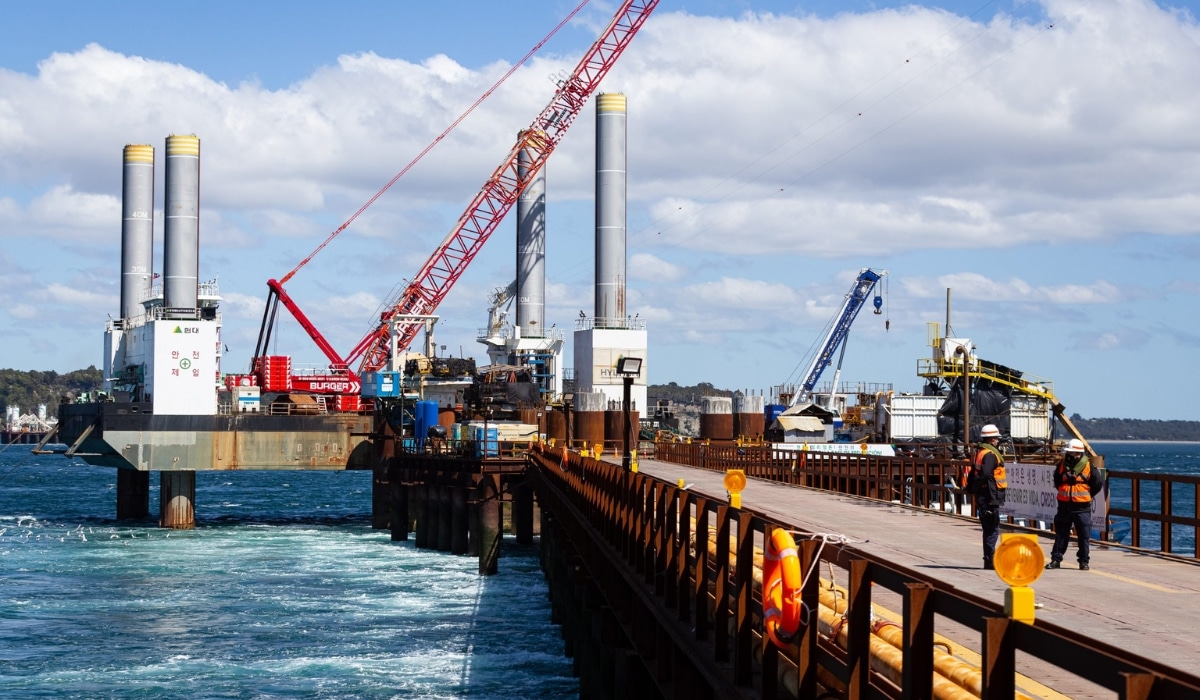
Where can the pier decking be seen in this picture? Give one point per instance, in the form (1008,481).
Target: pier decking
(1146,604)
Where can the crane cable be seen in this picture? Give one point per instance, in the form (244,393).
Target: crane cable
(435,142)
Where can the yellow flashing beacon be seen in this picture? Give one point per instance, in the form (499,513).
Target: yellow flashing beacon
(735,481)
(1019,560)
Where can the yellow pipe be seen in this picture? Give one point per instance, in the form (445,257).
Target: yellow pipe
(954,678)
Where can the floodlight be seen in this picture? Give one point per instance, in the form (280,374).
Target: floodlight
(629,366)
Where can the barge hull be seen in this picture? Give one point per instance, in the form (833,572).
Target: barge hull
(131,436)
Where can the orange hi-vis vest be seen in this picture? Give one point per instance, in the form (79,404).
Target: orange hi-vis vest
(999,474)
(1074,488)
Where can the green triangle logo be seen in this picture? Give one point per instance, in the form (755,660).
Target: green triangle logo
(178,329)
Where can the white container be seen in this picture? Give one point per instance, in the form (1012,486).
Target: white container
(1029,418)
(911,417)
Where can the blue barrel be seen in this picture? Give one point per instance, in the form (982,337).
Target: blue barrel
(425,416)
(487,445)
(456,432)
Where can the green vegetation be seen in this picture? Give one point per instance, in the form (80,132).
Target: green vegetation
(28,389)
(1135,429)
(685,395)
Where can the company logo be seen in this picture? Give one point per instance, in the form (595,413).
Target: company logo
(180,329)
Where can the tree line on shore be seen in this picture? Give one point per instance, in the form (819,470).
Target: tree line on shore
(29,389)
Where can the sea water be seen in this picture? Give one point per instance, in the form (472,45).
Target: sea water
(1176,458)
(283,590)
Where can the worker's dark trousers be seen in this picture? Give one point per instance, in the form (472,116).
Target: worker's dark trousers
(989,519)
(1081,521)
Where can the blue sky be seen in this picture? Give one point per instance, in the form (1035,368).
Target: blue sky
(1039,158)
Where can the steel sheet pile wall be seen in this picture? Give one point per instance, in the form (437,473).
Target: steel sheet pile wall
(556,426)
(716,418)
(748,415)
(589,416)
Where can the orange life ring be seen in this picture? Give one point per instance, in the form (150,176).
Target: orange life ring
(781,588)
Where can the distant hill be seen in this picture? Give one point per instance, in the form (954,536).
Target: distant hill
(28,389)
(1137,429)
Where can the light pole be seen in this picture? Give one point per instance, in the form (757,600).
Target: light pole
(628,368)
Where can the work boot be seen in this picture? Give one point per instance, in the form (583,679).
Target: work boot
(1083,566)
(988,565)
(1054,565)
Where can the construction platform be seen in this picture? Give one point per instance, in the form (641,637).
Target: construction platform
(1147,604)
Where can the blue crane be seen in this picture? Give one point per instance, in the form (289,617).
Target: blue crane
(839,328)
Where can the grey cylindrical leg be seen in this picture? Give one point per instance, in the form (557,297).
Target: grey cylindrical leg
(445,518)
(177,499)
(133,494)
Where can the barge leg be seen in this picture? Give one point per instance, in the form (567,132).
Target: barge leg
(177,499)
(133,494)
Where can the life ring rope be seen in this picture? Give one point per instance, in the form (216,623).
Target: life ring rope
(784,614)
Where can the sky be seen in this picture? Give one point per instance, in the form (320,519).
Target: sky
(1037,159)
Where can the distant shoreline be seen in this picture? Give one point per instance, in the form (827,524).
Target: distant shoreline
(1147,442)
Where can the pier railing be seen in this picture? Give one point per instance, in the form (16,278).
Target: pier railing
(659,588)
(919,481)
(1156,512)
(1160,510)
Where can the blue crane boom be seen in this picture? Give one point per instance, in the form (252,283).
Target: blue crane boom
(839,328)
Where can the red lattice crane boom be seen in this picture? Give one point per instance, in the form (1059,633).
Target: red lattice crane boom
(500,192)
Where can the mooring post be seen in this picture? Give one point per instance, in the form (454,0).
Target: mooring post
(133,494)
(445,517)
(381,510)
(458,522)
(522,510)
(399,505)
(423,512)
(489,525)
(177,498)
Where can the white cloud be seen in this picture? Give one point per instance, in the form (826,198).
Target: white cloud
(643,266)
(974,286)
(79,298)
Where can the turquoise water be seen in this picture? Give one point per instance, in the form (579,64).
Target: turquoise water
(1155,458)
(282,591)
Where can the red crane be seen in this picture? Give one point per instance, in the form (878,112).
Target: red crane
(498,194)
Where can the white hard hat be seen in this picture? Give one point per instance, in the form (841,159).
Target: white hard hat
(990,431)
(1075,445)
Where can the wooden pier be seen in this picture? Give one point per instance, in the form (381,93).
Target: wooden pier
(648,611)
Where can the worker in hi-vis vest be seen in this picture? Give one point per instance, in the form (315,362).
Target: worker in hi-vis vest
(1077,482)
(987,481)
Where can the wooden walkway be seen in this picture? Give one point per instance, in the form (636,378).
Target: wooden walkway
(1147,604)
